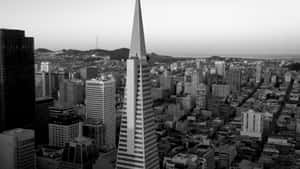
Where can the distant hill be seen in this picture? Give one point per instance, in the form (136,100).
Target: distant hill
(43,50)
(216,58)
(161,58)
(117,54)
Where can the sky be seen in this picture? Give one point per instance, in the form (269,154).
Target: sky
(172,27)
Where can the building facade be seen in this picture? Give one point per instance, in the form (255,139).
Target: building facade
(201,96)
(252,124)
(17,93)
(80,153)
(166,81)
(234,79)
(220,90)
(258,76)
(17,149)
(96,131)
(220,68)
(137,142)
(100,106)
(63,129)
(42,105)
(71,92)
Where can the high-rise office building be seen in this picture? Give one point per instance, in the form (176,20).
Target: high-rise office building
(188,81)
(42,105)
(48,157)
(46,67)
(197,78)
(71,92)
(43,84)
(63,129)
(100,105)
(220,68)
(198,64)
(165,81)
(96,131)
(267,76)
(212,70)
(220,90)
(258,76)
(17,149)
(80,153)
(288,76)
(47,82)
(55,111)
(186,102)
(137,142)
(179,88)
(17,98)
(44,80)
(252,124)
(87,73)
(234,79)
(201,96)
(188,88)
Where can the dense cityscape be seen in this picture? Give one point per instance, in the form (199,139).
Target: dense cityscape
(129,109)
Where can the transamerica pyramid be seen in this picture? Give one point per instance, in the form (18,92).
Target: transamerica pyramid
(137,47)
(137,147)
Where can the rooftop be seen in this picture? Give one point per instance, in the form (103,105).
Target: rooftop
(20,133)
(65,119)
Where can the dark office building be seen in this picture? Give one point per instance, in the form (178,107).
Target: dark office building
(80,153)
(234,79)
(17,97)
(42,105)
(56,111)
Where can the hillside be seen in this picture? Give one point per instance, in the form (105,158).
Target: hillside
(117,54)
(43,50)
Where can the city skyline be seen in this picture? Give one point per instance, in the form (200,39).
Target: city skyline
(132,109)
(224,28)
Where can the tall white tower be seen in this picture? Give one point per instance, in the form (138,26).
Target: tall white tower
(137,144)
(258,72)
(100,106)
(220,67)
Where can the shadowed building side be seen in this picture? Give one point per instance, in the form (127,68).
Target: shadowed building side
(17,92)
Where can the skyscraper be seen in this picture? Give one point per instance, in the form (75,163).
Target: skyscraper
(42,105)
(220,90)
(96,131)
(258,76)
(220,67)
(17,149)
(201,95)
(234,79)
(80,153)
(71,92)
(63,129)
(17,98)
(100,106)
(165,81)
(137,143)
(197,78)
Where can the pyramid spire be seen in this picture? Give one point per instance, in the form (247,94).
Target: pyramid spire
(137,48)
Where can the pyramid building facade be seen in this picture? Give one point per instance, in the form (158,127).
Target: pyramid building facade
(137,147)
